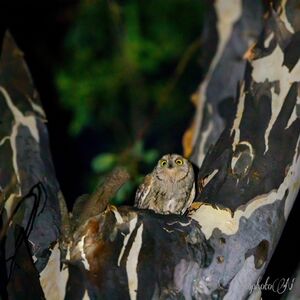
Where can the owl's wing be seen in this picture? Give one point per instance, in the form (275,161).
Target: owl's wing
(142,192)
(190,199)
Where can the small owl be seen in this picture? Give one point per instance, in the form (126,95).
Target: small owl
(170,188)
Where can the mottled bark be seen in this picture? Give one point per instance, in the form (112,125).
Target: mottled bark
(29,192)
(231,28)
(247,184)
(250,179)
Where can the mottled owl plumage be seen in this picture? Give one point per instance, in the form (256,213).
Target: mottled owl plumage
(170,188)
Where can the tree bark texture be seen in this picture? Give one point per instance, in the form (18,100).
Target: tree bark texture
(29,192)
(247,181)
(231,28)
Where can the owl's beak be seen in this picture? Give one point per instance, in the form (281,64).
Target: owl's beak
(170,165)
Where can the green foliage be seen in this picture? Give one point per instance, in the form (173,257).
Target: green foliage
(125,191)
(123,76)
(129,158)
(134,159)
(104,162)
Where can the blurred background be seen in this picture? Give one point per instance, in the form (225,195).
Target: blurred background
(115,79)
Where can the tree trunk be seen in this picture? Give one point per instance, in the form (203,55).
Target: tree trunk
(232,27)
(247,182)
(30,215)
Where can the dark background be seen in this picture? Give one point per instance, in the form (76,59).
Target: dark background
(45,33)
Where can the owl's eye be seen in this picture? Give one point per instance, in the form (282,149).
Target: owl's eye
(179,162)
(163,163)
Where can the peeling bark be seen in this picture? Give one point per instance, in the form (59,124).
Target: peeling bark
(232,27)
(255,164)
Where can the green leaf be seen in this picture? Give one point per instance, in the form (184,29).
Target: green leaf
(123,193)
(104,162)
(150,156)
(138,148)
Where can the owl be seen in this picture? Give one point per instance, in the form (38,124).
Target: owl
(170,188)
